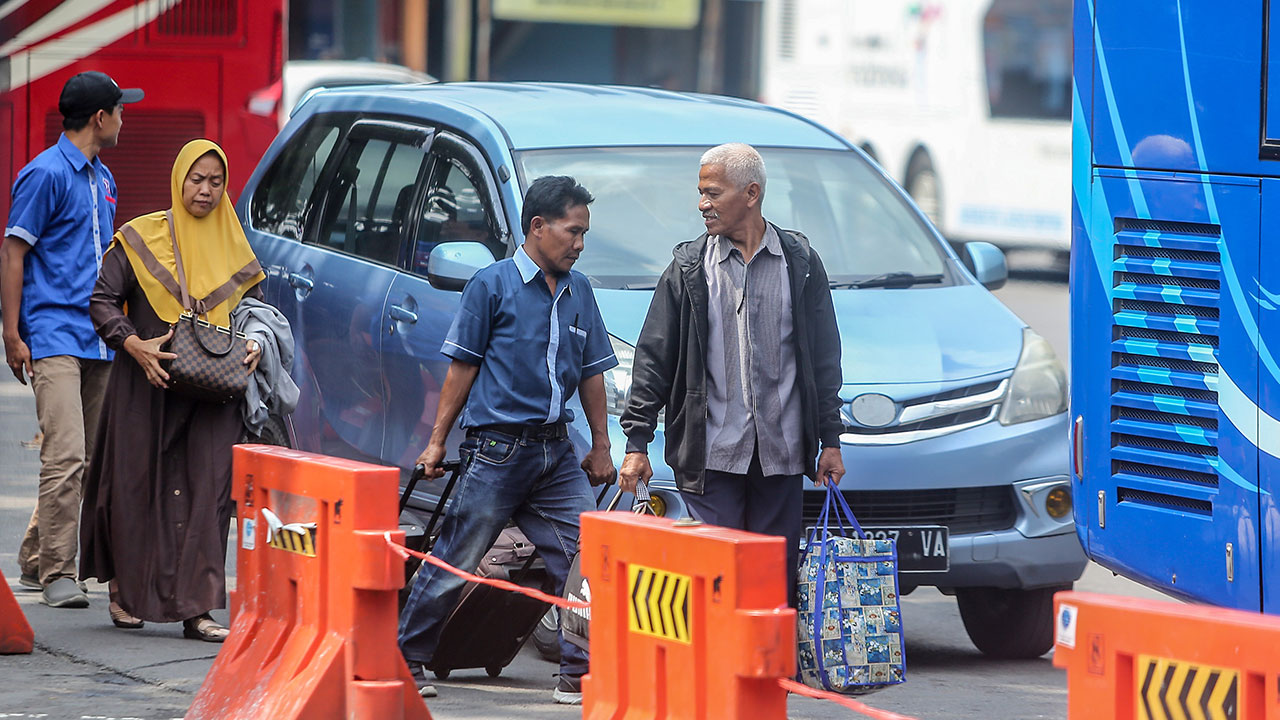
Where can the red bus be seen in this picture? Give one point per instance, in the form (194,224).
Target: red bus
(199,62)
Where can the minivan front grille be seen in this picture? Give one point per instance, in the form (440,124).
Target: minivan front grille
(962,510)
(932,415)
(1164,364)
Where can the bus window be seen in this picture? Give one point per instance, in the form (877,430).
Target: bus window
(1027,52)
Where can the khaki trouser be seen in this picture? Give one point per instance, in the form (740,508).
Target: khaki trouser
(69,393)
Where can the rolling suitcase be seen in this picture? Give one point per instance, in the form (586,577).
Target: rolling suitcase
(488,626)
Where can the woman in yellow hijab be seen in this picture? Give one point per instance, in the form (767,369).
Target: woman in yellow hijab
(157,495)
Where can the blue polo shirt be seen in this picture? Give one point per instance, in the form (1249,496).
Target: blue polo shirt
(64,207)
(532,348)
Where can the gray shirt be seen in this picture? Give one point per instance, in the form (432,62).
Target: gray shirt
(752,395)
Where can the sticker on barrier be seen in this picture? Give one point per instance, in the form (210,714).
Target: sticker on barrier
(1169,689)
(297,538)
(659,603)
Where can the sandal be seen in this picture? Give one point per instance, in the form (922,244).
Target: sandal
(203,627)
(121,617)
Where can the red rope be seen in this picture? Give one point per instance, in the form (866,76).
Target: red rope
(850,703)
(560,602)
(786,684)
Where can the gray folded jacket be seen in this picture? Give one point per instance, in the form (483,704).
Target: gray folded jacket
(272,391)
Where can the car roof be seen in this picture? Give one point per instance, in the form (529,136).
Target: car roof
(556,115)
(309,70)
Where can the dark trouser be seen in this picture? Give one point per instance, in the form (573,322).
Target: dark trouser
(539,484)
(756,503)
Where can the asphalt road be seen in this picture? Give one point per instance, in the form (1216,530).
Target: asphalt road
(85,668)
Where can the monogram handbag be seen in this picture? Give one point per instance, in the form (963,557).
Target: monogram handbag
(848,616)
(210,363)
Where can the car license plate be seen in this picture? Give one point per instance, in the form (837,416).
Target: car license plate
(921,548)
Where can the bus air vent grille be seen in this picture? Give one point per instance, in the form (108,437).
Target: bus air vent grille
(1171,227)
(1164,364)
(1166,501)
(200,18)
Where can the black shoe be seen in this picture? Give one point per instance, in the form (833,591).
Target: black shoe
(419,673)
(568,690)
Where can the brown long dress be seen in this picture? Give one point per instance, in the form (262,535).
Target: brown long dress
(157,503)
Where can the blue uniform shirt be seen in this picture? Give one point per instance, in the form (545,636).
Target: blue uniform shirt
(533,349)
(64,207)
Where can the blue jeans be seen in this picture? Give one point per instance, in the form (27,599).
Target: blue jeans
(540,485)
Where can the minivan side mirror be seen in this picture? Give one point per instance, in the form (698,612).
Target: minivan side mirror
(987,264)
(451,264)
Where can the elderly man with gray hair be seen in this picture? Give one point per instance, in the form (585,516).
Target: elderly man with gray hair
(741,348)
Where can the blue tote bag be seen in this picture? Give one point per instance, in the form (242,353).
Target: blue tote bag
(849,620)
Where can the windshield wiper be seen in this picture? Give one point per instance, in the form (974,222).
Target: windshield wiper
(639,286)
(890,280)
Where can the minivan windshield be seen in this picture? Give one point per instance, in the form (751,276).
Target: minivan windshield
(646,202)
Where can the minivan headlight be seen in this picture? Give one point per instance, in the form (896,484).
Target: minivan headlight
(617,379)
(1038,388)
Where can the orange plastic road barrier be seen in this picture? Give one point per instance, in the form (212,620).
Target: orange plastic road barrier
(1147,659)
(686,622)
(314,634)
(16,637)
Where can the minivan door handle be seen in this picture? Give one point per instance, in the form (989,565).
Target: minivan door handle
(301,282)
(401,314)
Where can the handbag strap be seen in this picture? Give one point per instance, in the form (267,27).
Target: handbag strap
(201,306)
(843,506)
(182,274)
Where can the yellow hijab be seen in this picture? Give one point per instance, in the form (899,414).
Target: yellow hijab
(218,263)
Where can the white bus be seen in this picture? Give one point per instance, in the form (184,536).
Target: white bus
(966,103)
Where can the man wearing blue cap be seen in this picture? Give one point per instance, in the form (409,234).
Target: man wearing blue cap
(60,223)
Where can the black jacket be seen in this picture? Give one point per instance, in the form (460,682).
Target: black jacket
(670,360)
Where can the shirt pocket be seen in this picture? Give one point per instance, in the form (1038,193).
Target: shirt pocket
(577,343)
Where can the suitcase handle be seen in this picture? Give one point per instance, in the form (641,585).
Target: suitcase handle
(419,472)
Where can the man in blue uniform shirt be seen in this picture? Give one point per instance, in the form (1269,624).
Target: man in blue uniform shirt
(60,223)
(528,334)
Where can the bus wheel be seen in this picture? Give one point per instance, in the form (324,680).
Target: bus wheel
(1009,623)
(546,636)
(922,186)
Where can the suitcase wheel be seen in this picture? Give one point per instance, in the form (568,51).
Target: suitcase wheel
(442,674)
(494,670)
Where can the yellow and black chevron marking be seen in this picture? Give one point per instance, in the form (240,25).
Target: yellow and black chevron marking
(1176,690)
(303,543)
(659,603)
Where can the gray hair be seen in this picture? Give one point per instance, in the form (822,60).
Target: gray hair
(742,164)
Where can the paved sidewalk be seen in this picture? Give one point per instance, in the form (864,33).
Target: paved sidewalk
(85,668)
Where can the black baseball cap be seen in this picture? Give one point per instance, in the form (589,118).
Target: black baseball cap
(88,92)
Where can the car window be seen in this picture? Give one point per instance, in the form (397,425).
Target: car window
(646,201)
(370,199)
(458,204)
(283,197)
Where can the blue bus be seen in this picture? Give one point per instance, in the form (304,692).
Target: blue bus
(1175,295)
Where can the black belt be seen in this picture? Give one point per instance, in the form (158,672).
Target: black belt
(554,431)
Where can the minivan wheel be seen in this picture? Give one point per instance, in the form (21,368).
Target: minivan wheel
(273,432)
(546,636)
(1006,623)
